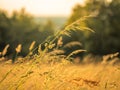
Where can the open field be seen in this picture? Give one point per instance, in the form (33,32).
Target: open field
(59,76)
(80,51)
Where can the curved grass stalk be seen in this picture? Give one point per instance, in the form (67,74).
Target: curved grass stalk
(68,28)
(74,52)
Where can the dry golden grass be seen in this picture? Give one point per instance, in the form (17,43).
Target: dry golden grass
(59,76)
(51,71)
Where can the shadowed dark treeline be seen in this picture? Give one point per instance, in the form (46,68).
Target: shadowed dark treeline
(21,28)
(105,23)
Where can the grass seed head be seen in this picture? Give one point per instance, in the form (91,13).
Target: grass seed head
(32,46)
(51,46)
(5,50)
(18,48)
(75,52)
(46,44)
(60,42)
(39,49)
(0,53)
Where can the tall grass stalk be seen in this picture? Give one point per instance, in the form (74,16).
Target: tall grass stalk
(74,52)
(18,50)
(74,26)
(4,52)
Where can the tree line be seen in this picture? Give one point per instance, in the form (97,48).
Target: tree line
(21,28)
(104,20)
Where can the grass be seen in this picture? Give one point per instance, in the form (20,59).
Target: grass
(51,70)
(60,76)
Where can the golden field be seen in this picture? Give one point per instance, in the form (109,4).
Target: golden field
(62,75)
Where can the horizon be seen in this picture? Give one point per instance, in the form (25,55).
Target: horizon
(41,8)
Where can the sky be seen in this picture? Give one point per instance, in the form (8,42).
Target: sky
(41,7)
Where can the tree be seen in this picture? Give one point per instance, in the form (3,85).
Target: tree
(4,25)
(105,24)
(21,28)
(48,29)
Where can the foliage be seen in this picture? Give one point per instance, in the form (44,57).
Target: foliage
(105,23)
(20,28)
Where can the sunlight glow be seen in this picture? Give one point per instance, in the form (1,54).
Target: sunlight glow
(41,7)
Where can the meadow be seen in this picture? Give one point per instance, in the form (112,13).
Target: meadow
(79,52)
(51,69)
(43,74)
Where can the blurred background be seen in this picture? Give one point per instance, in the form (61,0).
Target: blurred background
(24,21)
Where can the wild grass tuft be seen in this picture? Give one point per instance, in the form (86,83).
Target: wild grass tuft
(75,52)
(31,47)
(18,48)
(4,52)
